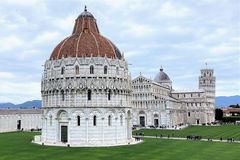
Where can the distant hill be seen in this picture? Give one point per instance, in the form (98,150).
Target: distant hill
(28,104)
(221,101)
(6,105)
(225,101)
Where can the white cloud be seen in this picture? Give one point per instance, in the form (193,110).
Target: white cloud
(169,9)
(180,30)
(46,37)
(9,43)
(138,30)
(64,23)
(21,3)
(233,89)
(217,34)
(6,75)
(224,49)
(22,90)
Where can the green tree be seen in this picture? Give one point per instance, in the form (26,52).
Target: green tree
(218,114)
(234,106)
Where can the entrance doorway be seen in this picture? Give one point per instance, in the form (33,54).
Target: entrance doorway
(156,123)
(19,125)
(64,134)
(142,121)
(198,121)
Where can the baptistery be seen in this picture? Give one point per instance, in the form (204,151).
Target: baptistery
(86,90)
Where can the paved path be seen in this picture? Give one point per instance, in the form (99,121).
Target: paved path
(181,138)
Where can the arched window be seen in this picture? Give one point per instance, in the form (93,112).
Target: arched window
(91,69)
(62,70)
(62,95)
(76,70)
(121,120)
(109,120)
(94,120)
(89,94)
(78,120)
(105,69)
(109,95)
(117,71)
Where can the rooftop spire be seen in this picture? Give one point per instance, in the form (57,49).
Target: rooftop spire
(85,8)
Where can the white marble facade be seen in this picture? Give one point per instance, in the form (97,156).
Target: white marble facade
(90,97)
(156,104)
(86,90)
(20,120)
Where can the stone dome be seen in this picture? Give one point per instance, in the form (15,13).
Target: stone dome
(85,41)
(161,76)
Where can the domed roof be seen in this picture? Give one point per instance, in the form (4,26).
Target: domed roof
(161,76)
(85,41)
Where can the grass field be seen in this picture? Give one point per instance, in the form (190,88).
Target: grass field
(214,132)
(17,146)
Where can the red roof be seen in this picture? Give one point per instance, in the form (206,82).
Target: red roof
(85,41)
(231,110)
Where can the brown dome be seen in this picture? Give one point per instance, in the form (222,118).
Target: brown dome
(85,41)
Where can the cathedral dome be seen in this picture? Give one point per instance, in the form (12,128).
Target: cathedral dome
(161,76)
(85,41)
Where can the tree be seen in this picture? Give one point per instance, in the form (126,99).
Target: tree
(218,114)
(235,106)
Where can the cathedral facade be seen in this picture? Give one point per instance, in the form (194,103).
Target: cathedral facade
(156,104)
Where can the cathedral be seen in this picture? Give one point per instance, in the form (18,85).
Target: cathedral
(89,99)
(156,104)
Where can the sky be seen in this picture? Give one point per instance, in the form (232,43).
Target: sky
(179,35)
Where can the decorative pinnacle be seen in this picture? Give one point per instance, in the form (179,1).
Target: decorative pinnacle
(161,69)
(85,8)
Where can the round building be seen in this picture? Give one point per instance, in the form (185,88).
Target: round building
(86,90)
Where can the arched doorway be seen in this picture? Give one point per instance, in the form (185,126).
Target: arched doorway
(156,120)
(142,119)
(63,126)
(19,125)
(129,126)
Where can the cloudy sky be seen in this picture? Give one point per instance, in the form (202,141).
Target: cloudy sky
(180,35)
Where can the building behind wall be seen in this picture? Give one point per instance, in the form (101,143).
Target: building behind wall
(20,119)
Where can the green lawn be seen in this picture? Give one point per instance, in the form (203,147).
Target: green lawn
(214,132)
(17,146)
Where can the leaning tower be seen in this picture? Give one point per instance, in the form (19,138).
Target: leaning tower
(207,82)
